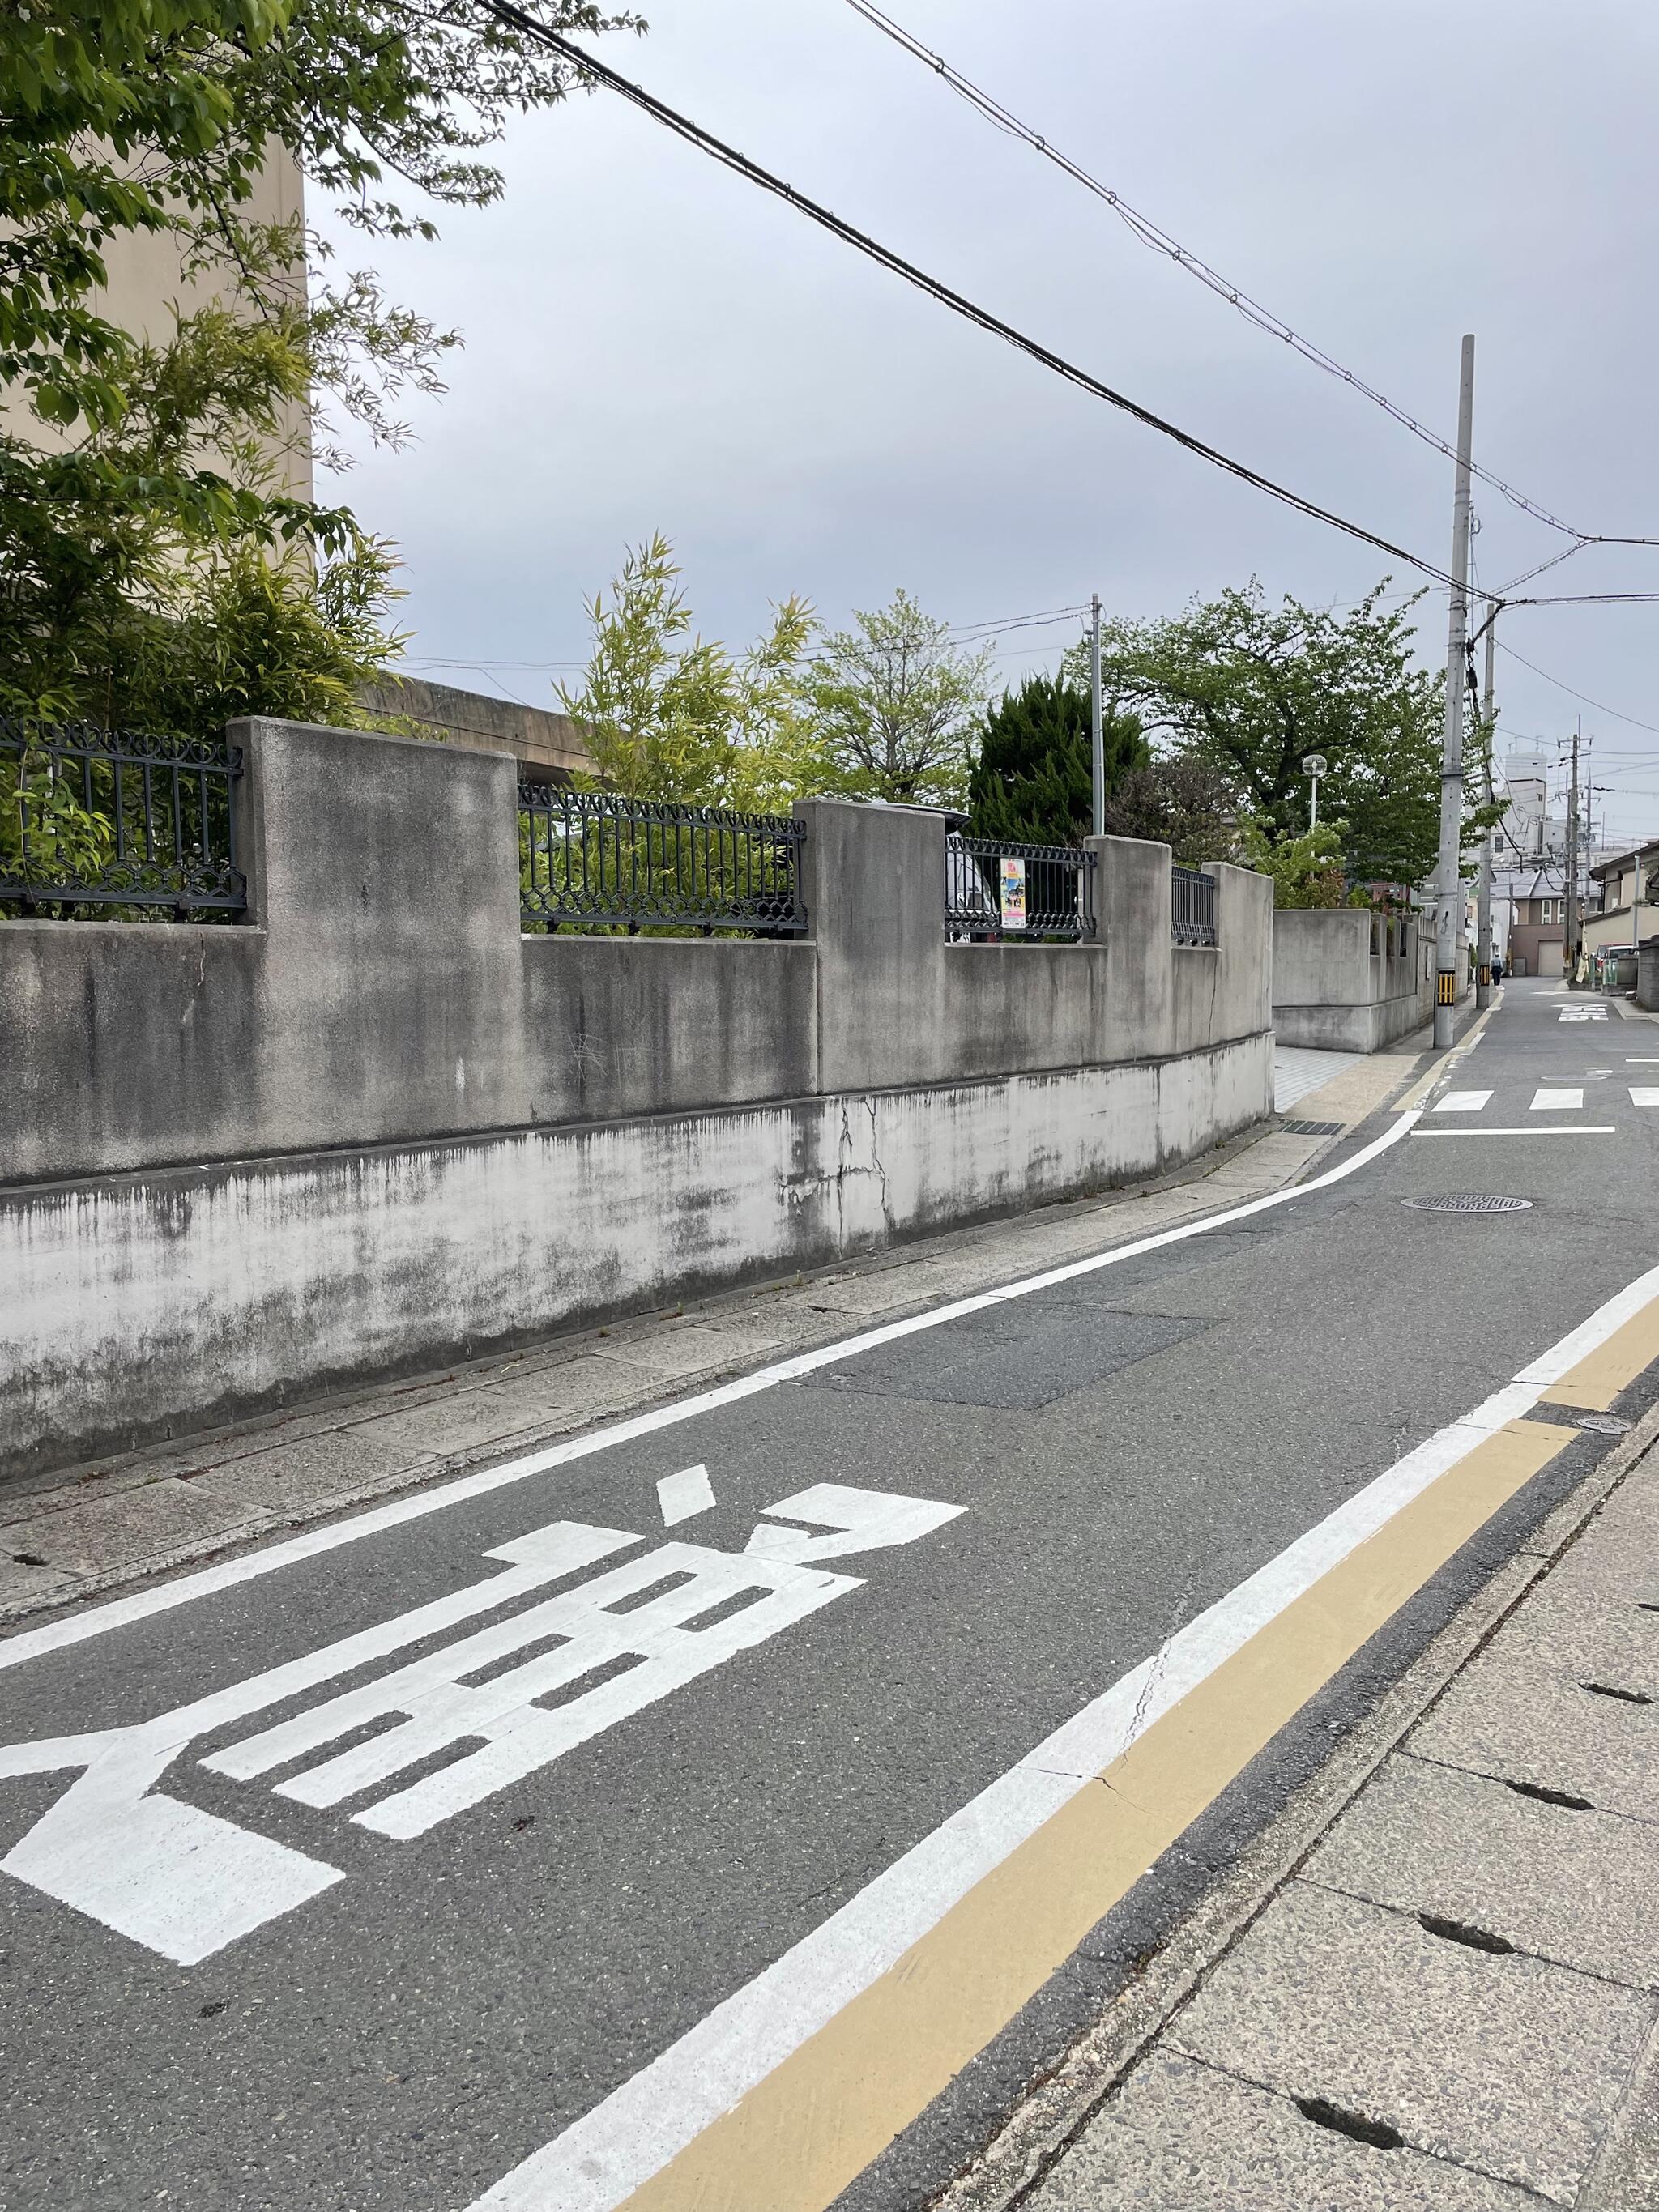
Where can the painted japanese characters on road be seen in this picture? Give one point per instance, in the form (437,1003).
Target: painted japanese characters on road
(429,1739)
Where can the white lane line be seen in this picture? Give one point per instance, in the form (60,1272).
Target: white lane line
(682,1495)
(1643,1094)
(1463,1102)
(1558,1102)
(1642,1059)
(599,2161)
(1540,1129)
(229,1574)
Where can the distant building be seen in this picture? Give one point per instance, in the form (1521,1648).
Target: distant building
(1627,887)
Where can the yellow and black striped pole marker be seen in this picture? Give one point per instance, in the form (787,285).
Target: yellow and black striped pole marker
(1447,995)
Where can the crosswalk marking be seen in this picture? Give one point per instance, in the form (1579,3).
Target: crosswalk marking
(1558,1102)
(1643,1094)
(1463,1102)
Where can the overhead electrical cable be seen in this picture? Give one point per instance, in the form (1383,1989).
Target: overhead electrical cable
(1151,234)
(706,143)
(1651,727)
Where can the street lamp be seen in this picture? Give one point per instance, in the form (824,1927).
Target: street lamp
(1314,765)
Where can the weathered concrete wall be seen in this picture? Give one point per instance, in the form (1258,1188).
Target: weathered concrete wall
(1332,992)
(142,1305)
(377,1125)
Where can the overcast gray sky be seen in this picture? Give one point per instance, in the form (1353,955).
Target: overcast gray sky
(652,344)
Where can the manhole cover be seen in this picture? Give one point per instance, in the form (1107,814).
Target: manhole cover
(1466,1202)
(1605,1425)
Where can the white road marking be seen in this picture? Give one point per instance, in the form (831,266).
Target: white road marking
(1582,1014)
(1558,1102)
(1642,1059)
(1538,1129)
(1463,1102)
(599,2161)
(1643,1094)
(185,1883)
(230,1574)
(682,1495)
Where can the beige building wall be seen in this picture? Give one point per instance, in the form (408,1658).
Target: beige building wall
(146,284)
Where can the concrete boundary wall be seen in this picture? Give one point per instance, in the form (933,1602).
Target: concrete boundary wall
(377,1127)
(147,1303)
(1332,992)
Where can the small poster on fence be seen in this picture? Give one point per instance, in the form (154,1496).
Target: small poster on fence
(1013,892)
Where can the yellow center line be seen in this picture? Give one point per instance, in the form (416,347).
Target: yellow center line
(802,2134)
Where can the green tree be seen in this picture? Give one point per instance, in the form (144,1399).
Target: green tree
(1033,781)
(1306,871)
(1183,804)
(1248,690)
(671,715)
(897,707)
(123,456)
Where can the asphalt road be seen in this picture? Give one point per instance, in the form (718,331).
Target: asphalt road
(342,1925)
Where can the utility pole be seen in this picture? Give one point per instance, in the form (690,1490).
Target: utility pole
(1482,940)
(1096,723)
(1570,910)
(1448,933)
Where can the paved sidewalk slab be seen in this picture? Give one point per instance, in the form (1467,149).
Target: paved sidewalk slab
(1578,1888)
(1182,2137)
(1505,2064)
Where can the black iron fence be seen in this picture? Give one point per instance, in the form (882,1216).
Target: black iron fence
(1017,893)
(95,819)
(1192,907)
(590,861)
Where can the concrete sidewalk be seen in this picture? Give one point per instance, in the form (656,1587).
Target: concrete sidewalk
(1450,2004)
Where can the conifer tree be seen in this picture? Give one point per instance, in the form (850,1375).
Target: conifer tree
(1033,781)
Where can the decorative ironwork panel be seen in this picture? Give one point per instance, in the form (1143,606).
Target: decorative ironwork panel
(1012,894)
(94,819)
(1192,907)
(590,861)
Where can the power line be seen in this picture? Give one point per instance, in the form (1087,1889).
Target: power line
(600,73)
(1151,234)
(1572,693)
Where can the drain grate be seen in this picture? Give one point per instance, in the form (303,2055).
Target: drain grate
(1313,1128)
(1466,1202)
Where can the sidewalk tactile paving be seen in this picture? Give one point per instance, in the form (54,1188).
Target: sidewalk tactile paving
(1578,1888)
(1502,2064)
(1182,2137)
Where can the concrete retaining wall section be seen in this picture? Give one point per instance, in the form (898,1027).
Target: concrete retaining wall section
(376,1125)
(142,1305)
(1332,992)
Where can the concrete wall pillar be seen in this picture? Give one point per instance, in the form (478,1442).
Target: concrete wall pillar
(1131,904)
(1244,949)
(874,883)
(386,871)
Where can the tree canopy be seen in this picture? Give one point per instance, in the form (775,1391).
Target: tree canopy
(896,707)
(1247,690)
(1033,781)
(126,455)
(669,714)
